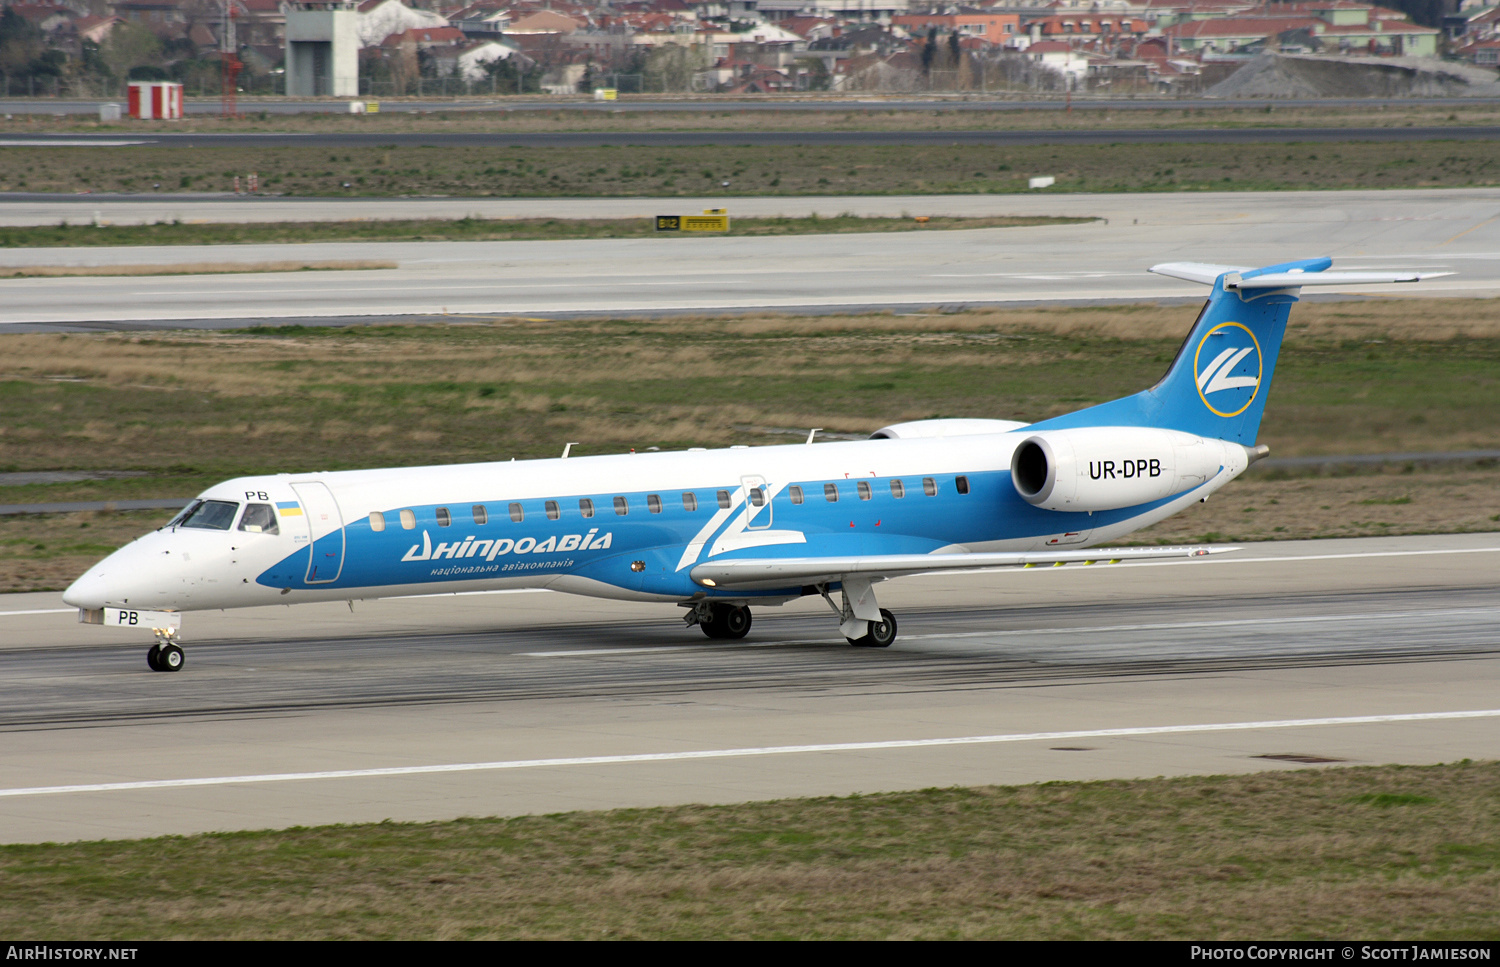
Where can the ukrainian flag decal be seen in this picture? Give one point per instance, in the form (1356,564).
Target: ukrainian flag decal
(289,508)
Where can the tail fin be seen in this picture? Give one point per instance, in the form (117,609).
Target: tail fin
(1218,383)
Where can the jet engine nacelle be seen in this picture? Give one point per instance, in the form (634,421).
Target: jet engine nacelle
(1109,467)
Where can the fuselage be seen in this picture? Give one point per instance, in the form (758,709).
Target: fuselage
(626,526)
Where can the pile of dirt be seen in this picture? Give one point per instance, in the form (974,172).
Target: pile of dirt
(1284,76)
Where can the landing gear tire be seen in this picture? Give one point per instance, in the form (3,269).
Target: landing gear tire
(169,658)
(153,658)
(727,621)
(880,634)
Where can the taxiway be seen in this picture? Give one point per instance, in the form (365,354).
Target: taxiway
(1454,230)
(1359,651)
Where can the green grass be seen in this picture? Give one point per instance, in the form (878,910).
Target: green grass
(1370,853)
(699,171)
(190,405)
(193,408)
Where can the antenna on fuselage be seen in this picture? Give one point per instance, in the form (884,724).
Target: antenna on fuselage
(812,433)
(567,447)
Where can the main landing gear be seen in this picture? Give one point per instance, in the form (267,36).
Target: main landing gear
(720,620)
(165,655)
(863,622)
(880,634)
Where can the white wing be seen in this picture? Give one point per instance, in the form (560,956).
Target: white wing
(764,573)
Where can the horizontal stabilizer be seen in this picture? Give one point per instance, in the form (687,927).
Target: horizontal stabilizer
(751,573)
(1283,280)
(1239,277)
(1203,272)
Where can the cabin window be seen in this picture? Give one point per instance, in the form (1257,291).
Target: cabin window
(586,507)
(898,489)
(261,519)
(863,487)
(213,515)
(481,516)
(689,502)
(653,503)
(516,513)
(962,483)
(797,497)
(408,520)
(723,496)
(757,496)
(929,486)
(443,517)
(622,506)
(831,493)
(377,521)
(552,512)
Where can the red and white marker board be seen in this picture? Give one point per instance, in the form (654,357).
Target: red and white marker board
(155,99)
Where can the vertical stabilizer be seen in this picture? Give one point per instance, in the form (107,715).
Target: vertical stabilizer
(1218,383)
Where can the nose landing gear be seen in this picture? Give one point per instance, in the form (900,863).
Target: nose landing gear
(719,620)
(165,655)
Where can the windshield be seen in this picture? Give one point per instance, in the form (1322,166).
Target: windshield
(215,515)
(184,512)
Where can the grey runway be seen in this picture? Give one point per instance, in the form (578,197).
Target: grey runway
(1450,230)
(1352,651)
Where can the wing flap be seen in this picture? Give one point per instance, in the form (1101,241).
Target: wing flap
(763,573)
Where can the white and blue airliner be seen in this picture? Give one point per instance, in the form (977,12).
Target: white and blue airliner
(719,531)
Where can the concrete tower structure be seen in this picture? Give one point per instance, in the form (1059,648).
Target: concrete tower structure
(322,49)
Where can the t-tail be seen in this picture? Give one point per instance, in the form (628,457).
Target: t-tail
(1217,385)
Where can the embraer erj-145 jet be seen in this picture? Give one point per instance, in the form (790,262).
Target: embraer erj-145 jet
(715,531)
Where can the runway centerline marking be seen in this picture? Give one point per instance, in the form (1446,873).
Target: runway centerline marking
(751,752)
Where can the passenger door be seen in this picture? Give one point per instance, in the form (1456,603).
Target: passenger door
(325,525)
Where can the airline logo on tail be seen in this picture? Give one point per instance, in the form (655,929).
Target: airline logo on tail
(1228,367)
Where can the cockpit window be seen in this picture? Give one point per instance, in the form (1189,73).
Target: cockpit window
(261,519)
(184,512)
(213,515)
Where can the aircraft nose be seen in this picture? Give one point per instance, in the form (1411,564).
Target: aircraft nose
(91,590)
(134,575)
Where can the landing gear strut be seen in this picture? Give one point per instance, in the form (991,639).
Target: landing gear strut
(719,620)
(165,655)
(863,623)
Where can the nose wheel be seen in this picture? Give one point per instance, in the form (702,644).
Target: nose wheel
(165,656)
(719,620)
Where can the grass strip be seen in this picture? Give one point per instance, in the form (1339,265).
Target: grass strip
(1378,853)
(469,229)
(186,268)
(193,408)
(770,170)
